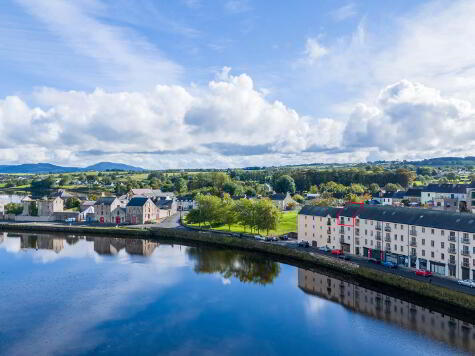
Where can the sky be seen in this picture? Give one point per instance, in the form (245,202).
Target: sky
(235,83)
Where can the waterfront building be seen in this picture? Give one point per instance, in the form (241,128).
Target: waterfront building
(141,210)
(440,241)
(106,210)
(49,206)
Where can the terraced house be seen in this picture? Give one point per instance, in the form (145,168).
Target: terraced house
(440,241)
(141,210)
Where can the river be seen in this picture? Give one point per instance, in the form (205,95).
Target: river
(72,295)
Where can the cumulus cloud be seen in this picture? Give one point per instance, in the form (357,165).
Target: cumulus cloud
(314,50)
(411,117)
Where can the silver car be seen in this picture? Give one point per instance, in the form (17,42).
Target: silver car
(467,283)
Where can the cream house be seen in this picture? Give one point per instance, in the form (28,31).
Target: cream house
(140,210)
(440,241)
(105,210)
(49,206)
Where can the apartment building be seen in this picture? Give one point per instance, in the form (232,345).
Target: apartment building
(425,321)
(471,198)
(445,196)
(440,241)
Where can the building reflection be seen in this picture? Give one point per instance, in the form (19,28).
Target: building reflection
(435,325)
(102,245)
(112,246)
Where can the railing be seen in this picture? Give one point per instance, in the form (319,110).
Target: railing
(452,250)
(465,240)
(388,248)
(329,240)
(452,238)
(342,240)
(378,237)
(387,239)
(387,228)
(452,262)
(357,241)
(379,227)
(413,253)
(465,253)
(413,243)
(413,232)
(342,230)
(329,231)
(378,246)
(466,264)
(357,232)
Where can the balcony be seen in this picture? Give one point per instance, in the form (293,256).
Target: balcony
(387,239)
(452,238)
(465,240)
(357,241)
(387,228)
(329,240)
(465,253)
(379,227)
(357,232)
(342,230)
(378,246)
(452,250)
(452,262)
(466,264)
(388,248)
(329,231)
(413,253)
(413,243)
(378,237)
(342,239)
(413,233)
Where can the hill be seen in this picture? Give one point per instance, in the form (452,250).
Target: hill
(43,168)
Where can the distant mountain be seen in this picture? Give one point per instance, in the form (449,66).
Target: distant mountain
(111,166)
(42,168)
(36,168)
(446,161)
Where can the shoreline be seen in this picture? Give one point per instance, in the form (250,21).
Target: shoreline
(453,301)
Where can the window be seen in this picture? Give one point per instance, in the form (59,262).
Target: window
(442,232)
(365,241)
(402,249)
(395,247)
(402,238)
(371,242)
(432,231)
(395,237)
(423,240)
(366,232)
(432,243)
(432,254)
(423,252)
(402,227)
(442,244)
(423,229)
(442,256)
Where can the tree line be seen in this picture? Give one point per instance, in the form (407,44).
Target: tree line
(255,214)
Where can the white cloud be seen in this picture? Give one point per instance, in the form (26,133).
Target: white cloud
(119,54)
(344,12)
(314,50)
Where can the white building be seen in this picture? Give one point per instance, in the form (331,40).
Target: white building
(440,241)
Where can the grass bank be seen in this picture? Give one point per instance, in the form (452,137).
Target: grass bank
(287,223)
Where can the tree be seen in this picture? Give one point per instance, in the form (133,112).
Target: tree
(267,215)
(374,188)
(245,213)
(298,198)
(72,203)
(391,187)
(13,208)
(46,183)
(285,184)
(313,189)
(232,188)
(33,209)
(357,188)
(208,207)
(180,185)
(228,211)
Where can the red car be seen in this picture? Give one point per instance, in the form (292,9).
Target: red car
(423,273)
(337,252)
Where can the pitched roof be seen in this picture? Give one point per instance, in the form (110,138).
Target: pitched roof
(411,216)
(446,188)
(413,192)
(278,196)
(105,200)
(137,201)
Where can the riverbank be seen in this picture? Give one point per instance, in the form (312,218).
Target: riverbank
(439,295)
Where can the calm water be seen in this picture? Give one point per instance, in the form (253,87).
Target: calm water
(85,295)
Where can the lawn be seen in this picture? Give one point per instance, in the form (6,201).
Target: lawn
(287,223)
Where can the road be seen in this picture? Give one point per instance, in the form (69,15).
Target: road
(401,271)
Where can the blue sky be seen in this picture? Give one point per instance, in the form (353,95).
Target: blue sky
(191,83)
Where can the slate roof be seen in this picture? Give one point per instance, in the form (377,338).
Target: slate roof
(164,203)
(446,188)
(137,201)
(413,192)
(394,195)
(411,216)
(105,200)
(278,196)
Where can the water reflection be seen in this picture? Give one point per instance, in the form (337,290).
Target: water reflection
(247,268)
(430,323)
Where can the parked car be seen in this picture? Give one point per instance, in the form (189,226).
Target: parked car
(389,264)
(344,257)
(259,237)
(284,237)
(337,252)
(273,238)
(324,248)
(423,273)
(374,260)
(467,283)
(303,244)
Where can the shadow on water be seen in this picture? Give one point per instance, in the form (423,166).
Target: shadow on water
(453,327)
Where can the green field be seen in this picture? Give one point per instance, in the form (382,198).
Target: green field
(287,223)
